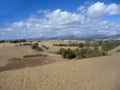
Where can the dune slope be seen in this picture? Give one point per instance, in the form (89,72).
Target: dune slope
(100,73)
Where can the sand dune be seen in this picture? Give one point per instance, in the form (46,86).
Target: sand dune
(100,73)
(114,51)
(8,51)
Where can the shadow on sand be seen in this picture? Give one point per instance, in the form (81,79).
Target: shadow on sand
(17,63)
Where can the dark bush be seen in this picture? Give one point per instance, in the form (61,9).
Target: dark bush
(66,53)
(69,54)
(81,45)
(61,51)
(35,46)
(60,44)
(2,41)
(17,41)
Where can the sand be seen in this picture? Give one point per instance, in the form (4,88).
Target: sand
(101,73)
(55,73)
(8,51)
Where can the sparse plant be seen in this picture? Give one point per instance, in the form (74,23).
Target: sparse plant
(35,46)
(44,46)
(80,53)
(81,45)
(67,53)
(34,55)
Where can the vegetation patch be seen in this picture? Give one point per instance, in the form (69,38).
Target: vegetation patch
(66,53)
(36,47)
(81,53)
(45,47)
(106,45)
(80,45)
(118,50)
(35,55)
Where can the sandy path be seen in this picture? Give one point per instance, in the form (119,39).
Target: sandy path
(100,73)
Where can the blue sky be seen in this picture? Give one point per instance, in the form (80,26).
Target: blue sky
(23,18)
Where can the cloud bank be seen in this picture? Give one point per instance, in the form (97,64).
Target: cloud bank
(84,22)
(100,9)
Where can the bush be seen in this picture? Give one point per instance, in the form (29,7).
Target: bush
(88,52)
(82,53)
(2,41)
(17,41)
(61,51)
(81,45)
(60,44)
(69,54)
(66,53)
(109,45)
(35,46)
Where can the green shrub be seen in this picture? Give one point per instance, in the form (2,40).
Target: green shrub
(81,53)
(60,44)
(66,53)
(81,45)
(36,47)
(61,51)
(69,54)
(109,45)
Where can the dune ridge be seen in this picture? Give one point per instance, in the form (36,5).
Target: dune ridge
(101,73)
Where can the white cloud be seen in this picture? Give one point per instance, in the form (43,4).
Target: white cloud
(64,18)
(64,23)
(100,9)
(55,21)
(82,9)
(113,9)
